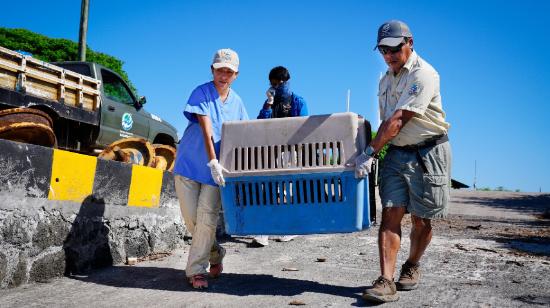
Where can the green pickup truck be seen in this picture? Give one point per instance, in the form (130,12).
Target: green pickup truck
(77,106)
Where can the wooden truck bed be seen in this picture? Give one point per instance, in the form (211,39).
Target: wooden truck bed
(27,75)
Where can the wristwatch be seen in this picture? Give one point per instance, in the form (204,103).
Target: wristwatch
(370,151)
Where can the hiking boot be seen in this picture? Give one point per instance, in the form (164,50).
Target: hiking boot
(217,269)
(198,281)
(409,277)
(382,291)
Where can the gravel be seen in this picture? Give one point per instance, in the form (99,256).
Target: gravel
(493,250)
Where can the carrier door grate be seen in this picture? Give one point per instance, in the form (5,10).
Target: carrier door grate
(283,157)
(289,192)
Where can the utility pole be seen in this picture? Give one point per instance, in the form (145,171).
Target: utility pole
(83,30)
(347,101)
(475,174)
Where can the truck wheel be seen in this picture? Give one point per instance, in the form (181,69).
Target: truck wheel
(165,155)
(27,125)
(130,150)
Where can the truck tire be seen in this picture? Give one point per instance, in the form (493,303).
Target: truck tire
(165,157)
(130,150)
(27,125)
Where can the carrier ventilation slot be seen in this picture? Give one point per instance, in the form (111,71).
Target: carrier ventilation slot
(281,157)
(290,192)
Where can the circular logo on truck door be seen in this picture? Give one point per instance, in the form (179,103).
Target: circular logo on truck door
(127,121)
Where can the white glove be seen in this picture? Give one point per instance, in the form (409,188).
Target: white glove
(363,165)
(270,96)
(216,170)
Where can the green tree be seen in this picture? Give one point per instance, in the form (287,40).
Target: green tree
(55,50)
(382,152)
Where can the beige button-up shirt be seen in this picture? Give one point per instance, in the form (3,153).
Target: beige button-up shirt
(414,88)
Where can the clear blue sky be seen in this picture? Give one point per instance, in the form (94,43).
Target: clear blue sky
(492,57)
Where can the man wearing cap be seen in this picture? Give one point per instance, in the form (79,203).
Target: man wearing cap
(415,175)
(198,172)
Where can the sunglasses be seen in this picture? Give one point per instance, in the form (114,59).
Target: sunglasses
(390,50)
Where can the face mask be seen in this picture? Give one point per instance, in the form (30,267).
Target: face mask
(282,101)
(283,92)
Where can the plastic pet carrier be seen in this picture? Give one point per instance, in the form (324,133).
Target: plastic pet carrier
(294,175)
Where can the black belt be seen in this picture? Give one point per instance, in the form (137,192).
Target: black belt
(424,144)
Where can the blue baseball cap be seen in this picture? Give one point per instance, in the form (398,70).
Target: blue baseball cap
(391,33)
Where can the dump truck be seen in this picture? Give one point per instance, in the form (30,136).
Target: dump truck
(76,106)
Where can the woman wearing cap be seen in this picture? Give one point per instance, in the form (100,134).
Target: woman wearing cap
(198,174)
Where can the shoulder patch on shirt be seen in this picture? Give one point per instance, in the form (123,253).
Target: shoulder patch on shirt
(414,89)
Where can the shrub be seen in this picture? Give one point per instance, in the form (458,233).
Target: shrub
(55,50)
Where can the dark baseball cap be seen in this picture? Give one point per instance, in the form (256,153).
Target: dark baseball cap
(391,33)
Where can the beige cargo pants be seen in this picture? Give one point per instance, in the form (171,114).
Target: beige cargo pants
(200,206)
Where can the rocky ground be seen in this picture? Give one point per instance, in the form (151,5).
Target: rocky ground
(492,251)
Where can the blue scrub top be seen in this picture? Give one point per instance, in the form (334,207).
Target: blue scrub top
(191,157)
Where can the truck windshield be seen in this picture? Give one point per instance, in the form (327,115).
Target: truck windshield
(115,89)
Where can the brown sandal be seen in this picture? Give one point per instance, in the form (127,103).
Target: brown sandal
(198,281)
(216,270)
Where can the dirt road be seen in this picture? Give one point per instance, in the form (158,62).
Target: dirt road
(492,251)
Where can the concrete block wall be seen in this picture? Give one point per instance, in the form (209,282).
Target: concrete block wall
(63,213)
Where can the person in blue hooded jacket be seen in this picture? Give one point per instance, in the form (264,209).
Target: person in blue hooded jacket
(281,103)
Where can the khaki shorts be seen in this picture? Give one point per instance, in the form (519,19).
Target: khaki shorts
(405,183)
